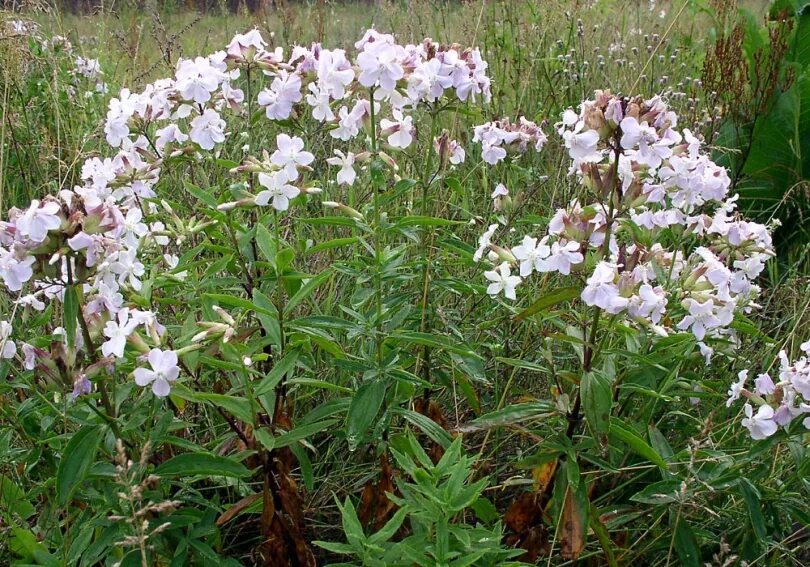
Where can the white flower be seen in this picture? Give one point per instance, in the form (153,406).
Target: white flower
(582,147)
(706,351)
(346,175)
(701,317)
(38,220)
(335,72)
(601,291)
(290,155)
(284,92)
(169,134)
(634,133)
(736,388)
(128,268)
(348,125)
(7,346)
(117,330)
(244,44)
(561,258)
(207,129)
(134,229)
(500,191)
(319,101)
(531,254)
(13,271)
(197,79)
(764,385)
(457,153)
(278,189)
(483,242)
(502,281)
(399,130)
(164,371)
(380,64)
(760,425)
(651,303)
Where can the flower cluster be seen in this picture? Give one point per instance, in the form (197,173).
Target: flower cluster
(101,240)
(661,244)
(502,137)
(336,89)
(780,402)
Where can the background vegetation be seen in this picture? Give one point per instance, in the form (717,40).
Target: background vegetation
(683,485)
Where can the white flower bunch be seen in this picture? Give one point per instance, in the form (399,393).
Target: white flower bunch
(662,245)
(502,137)
(778,402)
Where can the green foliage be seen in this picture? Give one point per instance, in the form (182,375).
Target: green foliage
(431,500)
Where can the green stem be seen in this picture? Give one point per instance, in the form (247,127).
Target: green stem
(377,236)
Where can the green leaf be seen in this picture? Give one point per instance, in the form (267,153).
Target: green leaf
(280,369)
(752,501)
(201,195)
(284,258)
(685,543)
(601,532)
(267,244)
(597,401)
(71,313)
(620,431)
(24,543)
(301,432)
(265,438)
(12,499)
(364,408)
(76,460)
(236,406)
(196,464)
(222,299)
(330,221)
(417,220)
(549,300)
(513,413)
(437,341)
(427,425)
(662,492)
(268,316)
(334,243)
(524,364)
(305,290)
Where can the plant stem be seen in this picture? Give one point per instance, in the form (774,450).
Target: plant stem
(377,236)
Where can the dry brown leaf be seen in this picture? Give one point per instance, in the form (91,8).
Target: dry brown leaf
(543,474)
(237,508)
(573,529)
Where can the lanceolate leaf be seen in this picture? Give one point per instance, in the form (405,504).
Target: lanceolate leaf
(280,369)
(196,464)
(364,408)
(597,400)
(71,313)
(623,433)
(76,461)
(549,300)
(685,542)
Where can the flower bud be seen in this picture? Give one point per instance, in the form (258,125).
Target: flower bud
(343,208)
